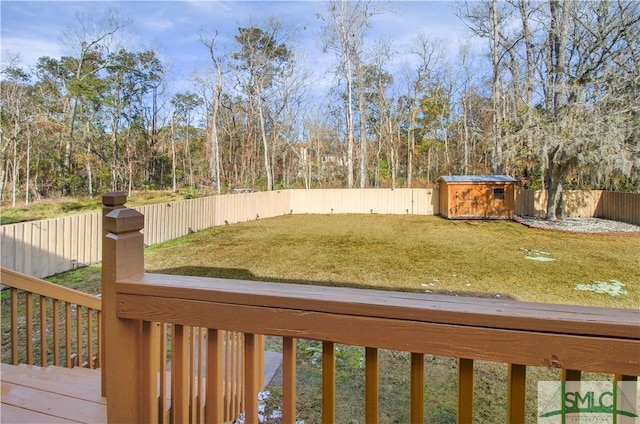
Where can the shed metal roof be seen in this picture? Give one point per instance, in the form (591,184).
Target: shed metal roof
(478,179)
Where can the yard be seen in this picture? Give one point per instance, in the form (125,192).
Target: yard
(415,253)
(427,254)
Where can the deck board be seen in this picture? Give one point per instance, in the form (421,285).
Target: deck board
(13,414)
(53,394)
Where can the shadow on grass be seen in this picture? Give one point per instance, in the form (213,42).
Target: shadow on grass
(244,274)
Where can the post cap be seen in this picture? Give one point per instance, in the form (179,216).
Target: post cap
(123,220)
(114,198)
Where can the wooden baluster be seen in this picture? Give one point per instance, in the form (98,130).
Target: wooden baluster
(180,374)
(150,368)
(100,341)
(193,371)
(43,331)
(29,336)
(227,372)
(328,382)
(371,385)
(417,388)
(214,411)
(516,393)
(465,391)
(260,361)
(202,377)
(250,379)
(231,376)
(67,335)
(631,386)
(89,338)
(122,258)
(56,332)
(571,375)
(14,326)
(289,380)
(238,381)
(163,407)
(79,347)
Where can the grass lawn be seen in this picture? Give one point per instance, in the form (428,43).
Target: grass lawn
(413,253)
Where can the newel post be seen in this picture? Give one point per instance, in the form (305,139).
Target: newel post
(122,258)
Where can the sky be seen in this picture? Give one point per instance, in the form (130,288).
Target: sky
(34,29)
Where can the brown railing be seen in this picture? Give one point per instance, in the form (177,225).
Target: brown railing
(519,334)
(49,324)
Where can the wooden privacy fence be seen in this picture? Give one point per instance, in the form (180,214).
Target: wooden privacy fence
(569,338)
(611,205)
(617,206)
(48,247)
(577,203)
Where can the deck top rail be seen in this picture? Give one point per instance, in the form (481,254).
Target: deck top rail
(560,336)
(17,280)
(433,308)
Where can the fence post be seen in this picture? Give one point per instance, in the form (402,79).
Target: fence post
(122,257)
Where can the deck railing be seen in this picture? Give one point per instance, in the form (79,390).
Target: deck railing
(49,324)
(568,338)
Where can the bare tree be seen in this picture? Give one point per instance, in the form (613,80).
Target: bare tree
(265,57)
(426,53)
(92,38)
(15,126)
(345,24)
(213,106)
(485,18)
(591,95)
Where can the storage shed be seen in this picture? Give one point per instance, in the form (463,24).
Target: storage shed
(477,196)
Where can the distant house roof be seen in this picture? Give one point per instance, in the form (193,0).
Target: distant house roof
(477,179)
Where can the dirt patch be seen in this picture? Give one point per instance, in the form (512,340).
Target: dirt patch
(579,225)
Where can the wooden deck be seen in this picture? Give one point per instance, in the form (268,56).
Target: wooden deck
(32,394)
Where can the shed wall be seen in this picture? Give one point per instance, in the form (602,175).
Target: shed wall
(472,200)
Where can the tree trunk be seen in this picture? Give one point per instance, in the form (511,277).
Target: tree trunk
(214,162)
(554,197)
(363,123)
(350,136)
(411,142)
(265,146)
(27,187)
(557,70)
(14,174)
(465,125)
(174,184)
(87,162)
(496,154)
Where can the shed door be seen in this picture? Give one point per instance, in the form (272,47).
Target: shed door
(470,201)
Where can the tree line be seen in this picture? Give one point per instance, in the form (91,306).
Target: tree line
(553,100)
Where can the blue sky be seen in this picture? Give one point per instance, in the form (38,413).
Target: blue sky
(33,28)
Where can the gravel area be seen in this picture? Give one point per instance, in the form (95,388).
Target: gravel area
(580,225)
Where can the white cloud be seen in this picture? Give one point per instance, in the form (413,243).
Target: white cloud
(29,49)
(156,24)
